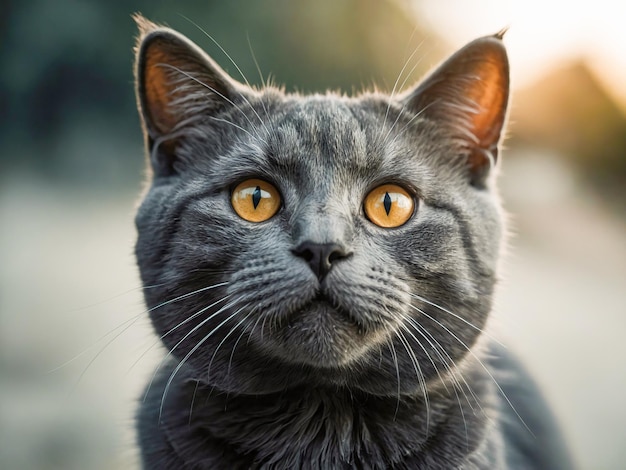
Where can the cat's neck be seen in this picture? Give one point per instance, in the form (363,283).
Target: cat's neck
(308,427)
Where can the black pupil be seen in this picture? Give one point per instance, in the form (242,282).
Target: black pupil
(386,203)
(256,196)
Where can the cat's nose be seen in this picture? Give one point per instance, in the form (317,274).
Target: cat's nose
(320,256)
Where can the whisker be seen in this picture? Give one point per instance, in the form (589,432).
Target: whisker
(189,294)
(256,62)
(253,328)
(129,323)
(456,384)
(482,365)
(468,323)
(397,119)
(408,75)
(263,326)
(394,356)
(449,363)
(189,333)
(218,45)
(406,328)
(232,353)
(418,373)
(258,68)
(116,296)
(188,355)
(213,90)
(232,61)
(87,349)
(234,328)
(193,400)
(102,349)
(178,325)
(413,118)
(226,121)
(393,90)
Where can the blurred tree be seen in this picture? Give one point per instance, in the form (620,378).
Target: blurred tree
(66,94)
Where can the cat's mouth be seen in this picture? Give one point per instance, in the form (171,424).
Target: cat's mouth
(322,300)
(363,324)
(321,297)
(323,334)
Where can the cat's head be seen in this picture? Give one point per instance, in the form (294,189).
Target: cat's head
(323,239)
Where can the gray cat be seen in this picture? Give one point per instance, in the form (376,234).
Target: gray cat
(321,269)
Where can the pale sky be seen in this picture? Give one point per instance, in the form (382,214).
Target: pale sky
(542,34)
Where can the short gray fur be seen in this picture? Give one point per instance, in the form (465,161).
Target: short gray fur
(272,368)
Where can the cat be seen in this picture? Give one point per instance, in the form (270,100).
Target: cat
(321,270)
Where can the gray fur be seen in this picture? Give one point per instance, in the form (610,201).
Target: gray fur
(271,368)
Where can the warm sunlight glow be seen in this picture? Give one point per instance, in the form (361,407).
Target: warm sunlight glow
(543,33)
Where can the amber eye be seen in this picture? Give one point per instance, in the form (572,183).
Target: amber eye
(388,206)
(255,200)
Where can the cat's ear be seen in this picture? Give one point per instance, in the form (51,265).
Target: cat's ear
(468,95)
(177,85)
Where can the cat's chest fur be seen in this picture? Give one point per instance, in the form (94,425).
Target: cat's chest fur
(320,428)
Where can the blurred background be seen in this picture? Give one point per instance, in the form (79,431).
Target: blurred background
(75,346)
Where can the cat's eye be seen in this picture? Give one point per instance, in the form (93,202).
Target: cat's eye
(389,206)
(255,200)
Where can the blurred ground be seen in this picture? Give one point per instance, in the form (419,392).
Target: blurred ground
(562,302)
(67,278)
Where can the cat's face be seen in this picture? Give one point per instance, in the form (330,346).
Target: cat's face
(320,240)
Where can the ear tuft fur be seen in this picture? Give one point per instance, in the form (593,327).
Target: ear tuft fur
(500,34)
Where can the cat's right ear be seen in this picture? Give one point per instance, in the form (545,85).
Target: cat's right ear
(467,96)
(177,85)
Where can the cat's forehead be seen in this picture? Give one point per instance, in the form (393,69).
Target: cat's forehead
(323,130)
(330,135)
(325,140)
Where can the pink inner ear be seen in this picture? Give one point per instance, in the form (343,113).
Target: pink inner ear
(468,95)
(159,90)
(177,83)
(490,93)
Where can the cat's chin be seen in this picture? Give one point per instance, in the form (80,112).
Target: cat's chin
(323,336)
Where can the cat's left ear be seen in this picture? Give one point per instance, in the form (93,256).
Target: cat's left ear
(468,95)
(177,85)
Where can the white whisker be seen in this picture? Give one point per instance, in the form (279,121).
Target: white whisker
(188,355)
(178,325)
(393,90)
(394,356)
(189,333)
(451,367)
(233,329)
(221,95)
(468,323)
(226,121)
(406,328)
(413,118)
(469,350)
(232,352)
(449,363)
(453,371)
(232,61)
(193,400)
(418,373)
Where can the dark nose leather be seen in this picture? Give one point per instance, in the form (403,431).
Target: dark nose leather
(320,256)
